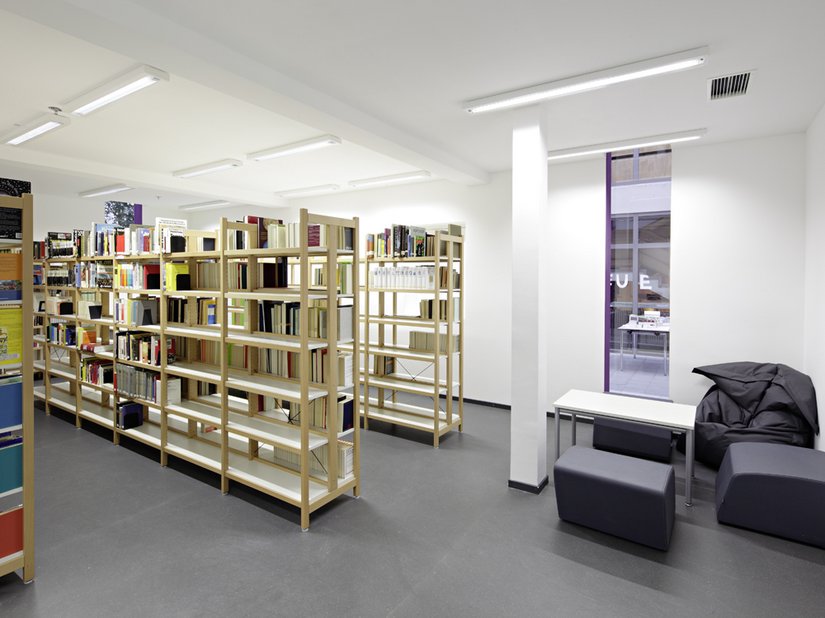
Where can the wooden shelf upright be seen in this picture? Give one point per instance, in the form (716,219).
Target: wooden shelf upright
(17,458)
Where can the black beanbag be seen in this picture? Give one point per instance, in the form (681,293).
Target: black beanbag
(754,402)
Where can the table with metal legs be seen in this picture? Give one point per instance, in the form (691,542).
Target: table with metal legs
(634,329)
(675,416)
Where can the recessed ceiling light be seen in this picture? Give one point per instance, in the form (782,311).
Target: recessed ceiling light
(30,130)
(391,180)
(294,148)
(105,190)
(590,81)
(115,89)
(207,168)
(640,142)
(205,205)
(309,190)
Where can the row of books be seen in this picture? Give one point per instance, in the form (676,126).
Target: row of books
(97,371)
(403,277)
(282,318)
(424,341)
(138,275)
(428,308)
(318,460)
(403,241)
(145,384)
(318,410)
(62,334)
(343,276)
(136,312)
(288,365)
(143,347)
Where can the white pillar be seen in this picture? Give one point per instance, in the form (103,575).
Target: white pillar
(528,417)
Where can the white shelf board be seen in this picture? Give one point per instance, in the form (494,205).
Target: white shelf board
(274,433)
(406,386)
(204,332)
(196,371)
(196,411)
(271,480)
(147,433)
(270,386)
(194,451)
(269,340)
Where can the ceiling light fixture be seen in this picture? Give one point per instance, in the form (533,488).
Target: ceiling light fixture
(115,89)
(105,190)
(205,205)
(590,81)
(309,190)
(391,180)
(207,168)
(36,128)
(641,142)
(289,149)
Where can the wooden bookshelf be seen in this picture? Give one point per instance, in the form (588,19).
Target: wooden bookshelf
(17,457)
(433,372)
(234,414)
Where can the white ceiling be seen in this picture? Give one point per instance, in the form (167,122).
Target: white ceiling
(386,76)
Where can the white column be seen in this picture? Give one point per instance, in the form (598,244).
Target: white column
(528,420)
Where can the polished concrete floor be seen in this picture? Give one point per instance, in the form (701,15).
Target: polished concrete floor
(436,533)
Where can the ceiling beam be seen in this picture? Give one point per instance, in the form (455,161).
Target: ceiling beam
(136,32)
(139,178)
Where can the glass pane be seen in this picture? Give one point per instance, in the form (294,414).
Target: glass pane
(654,164)
(622,168)
(654,277)
(654,228)
(622,230)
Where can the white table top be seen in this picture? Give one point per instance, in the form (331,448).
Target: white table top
(662,328)
(663,413)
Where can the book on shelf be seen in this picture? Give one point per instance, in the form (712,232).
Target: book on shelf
(11,523)
(424,341)
(263,224)
(97,371)
(176,277)
(383,365)
(59,245)
(63,334)
(11,463)
(39,250)
(139,383)
(11,333)
(428,307)
(137,311)
(165,230)
(11,394)
(103,239)
(129,415)
(405,241)
(11,276)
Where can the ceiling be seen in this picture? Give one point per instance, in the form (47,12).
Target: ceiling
(386,76)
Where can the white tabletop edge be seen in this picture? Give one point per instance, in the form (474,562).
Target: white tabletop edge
(663,413)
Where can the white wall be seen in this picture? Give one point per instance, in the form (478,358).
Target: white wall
(737,251)
(575,276)
(57,213)
(484,210)
(814,344)
(737,257)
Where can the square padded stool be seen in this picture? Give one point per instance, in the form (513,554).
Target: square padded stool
(620,495)
(634,439)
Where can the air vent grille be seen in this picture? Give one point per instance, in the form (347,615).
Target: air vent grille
(728,86)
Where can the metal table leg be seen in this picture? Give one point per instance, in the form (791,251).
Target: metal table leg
(621,350)
(556,428)
(573,418)
(689,468)
(665,337)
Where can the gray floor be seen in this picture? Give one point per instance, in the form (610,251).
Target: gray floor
(643,375)
(436,533)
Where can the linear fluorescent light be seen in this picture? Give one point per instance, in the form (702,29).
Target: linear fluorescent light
(309,190)
(207,168)
(390,180)
(590,81)
(105,190)
(205,205)
(115,89)
(640,142)
(30,130)
(289,149)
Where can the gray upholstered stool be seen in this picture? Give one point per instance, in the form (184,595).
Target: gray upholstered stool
(634,439)
(627,497)
(773,488)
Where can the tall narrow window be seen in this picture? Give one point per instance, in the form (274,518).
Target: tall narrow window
(638,320)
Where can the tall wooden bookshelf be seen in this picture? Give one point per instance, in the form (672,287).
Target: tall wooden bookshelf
(16,377)
(230,399)
(433,371)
